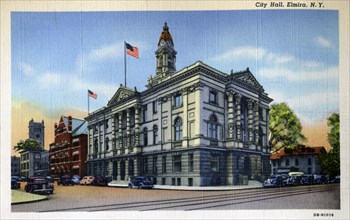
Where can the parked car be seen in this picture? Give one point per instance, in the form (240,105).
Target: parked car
(336,180)
(307,179)
(65,181)
(76,179)
(101,181)
(321,179)
(50,179)
(15,184)
(39,185)
(274,181)
(294,178)
(141,182)
(86,180)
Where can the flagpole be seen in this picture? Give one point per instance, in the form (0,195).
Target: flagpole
(125,63)
(88,103)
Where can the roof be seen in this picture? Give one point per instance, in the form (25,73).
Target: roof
(165,35)
(303,150)
(79,126)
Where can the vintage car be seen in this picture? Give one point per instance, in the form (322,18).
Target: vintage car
(39,185)
(141,182)
(307,179)
(86,180)
(294,178)
(321,179)
(274,181)
(101,181)
(76,179)
(15,184)
(65,181)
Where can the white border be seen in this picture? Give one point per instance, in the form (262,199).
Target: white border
(5,105)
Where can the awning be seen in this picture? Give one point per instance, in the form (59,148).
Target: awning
(75,153)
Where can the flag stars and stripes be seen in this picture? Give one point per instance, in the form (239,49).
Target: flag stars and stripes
(132,51)
(92,94)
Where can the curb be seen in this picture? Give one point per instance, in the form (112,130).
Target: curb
(30,201)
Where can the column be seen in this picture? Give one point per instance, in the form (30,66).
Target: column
(185,120)
(99,151)
(113,133)
(137,128)
(250,121)
(120,123)
(128,130)
(118,169)
(230,115)
(238,116)
(89,143)
(136,168)
(256,124)
(126,170)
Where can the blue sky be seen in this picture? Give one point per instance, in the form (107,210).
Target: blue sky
(294,54)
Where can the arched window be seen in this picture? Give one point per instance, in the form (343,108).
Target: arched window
(213,127)
(155,134)
(145,137)
(107,143)
(178,129)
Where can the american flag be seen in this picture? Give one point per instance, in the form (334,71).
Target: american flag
(132,51)
(92,94)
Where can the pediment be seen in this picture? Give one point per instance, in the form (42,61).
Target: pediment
(121,94)
(248,78)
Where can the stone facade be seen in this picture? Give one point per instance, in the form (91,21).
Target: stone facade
(196,126)
(37,132)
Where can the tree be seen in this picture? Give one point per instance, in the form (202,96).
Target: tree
(330,162)
(285,128)
(26,145)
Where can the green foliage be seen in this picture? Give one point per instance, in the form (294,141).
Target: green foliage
(285,128)
(26,145)
(330,162)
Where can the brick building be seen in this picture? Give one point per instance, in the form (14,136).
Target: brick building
(68,152)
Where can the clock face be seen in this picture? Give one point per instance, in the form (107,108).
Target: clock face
(162,43)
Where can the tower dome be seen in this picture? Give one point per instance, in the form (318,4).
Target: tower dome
(165,35)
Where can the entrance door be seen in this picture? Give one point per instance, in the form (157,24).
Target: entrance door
(122,170)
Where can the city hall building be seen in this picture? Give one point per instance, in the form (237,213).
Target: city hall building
(194,127)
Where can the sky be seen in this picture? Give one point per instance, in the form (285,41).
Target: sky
(58,56)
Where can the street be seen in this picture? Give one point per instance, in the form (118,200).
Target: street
(94,198)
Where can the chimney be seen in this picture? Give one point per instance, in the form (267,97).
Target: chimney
(69,123)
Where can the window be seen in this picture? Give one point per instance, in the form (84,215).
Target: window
(309,161)
(178,129)
(95,146)
(309,170)
(178,100)
(106,124)
(274,163)
(144,113)
(213,97)
(145,165)
(96,128)
(296,162)
(155,134)
(212,127)
(287,162)
(214,163)
(164,164)
(145,137)
(154,105)
(190,181)
(154,165)
(163,181)
(177,163)
(190,162)
(107,143)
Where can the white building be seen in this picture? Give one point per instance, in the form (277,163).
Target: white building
(196,126)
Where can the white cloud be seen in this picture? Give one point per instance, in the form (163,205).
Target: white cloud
(254,53)
(26,69)
(323,42)
(301,75)
(49,79)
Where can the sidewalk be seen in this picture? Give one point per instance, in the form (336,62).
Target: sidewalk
(19,197)
(251,185)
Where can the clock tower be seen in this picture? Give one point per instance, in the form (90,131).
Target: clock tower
(37,132)
(165,54)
